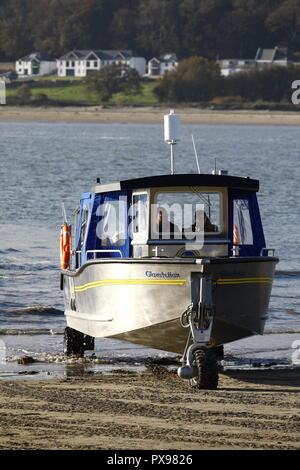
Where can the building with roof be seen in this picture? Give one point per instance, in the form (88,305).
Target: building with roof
(80,63)
(263,58)
(275,56)
(34,64)
(231,66)
(158,66)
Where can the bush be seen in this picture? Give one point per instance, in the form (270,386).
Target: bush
(272,83)
(227,100)
(24,94)
(195,79)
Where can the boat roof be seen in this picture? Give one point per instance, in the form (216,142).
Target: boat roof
(177,180)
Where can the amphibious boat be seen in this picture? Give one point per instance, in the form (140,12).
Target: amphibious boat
(176,262)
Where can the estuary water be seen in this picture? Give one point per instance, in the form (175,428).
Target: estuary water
(44,164)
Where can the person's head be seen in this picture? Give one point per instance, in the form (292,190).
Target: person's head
(161,215)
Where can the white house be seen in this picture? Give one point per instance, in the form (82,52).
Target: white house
(79,63)
(263,58)
(231,66)
(158,66)
(36,63)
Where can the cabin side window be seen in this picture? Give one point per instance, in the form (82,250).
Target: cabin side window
(84,219)
(242,228)
(182,214)
(111,229)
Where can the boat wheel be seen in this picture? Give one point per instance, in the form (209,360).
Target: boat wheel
(207,365)
(73,342)
(89,343)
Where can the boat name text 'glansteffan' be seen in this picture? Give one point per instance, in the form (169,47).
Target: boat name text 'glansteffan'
(167,275)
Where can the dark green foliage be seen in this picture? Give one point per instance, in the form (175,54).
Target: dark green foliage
(195,79)
(268,84)
(198,80)
(114,79)
(24,94)
(207,28)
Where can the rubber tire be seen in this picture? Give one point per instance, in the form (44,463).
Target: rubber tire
(73,342)
(207,365)
(89,343)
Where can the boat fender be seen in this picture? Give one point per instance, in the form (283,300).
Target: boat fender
(236,236)
(65,246)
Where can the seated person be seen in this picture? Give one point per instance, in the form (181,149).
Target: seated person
(203,221)
(164,226)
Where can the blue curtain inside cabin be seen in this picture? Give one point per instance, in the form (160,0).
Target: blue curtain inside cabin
(258,239)
(101,216)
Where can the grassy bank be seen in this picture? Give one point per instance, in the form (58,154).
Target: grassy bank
(75,92)
(72,91)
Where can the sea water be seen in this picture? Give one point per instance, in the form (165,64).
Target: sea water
(44,164)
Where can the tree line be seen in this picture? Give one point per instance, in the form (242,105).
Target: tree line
(207,28)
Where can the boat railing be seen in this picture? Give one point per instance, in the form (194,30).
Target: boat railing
(182,241)
(266,251)
(104,251)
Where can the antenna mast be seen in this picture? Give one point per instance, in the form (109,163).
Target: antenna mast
(172,123)
(196,155)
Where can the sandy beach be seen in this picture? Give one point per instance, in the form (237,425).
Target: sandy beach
(148,115)
(252,409)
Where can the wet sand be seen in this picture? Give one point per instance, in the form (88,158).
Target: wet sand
(148,115)
(255,409)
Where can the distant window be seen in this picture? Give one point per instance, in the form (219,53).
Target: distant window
(87,63)
(73,63)
(95,63)
(242,229)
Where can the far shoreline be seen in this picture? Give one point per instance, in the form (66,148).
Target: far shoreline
(149,115)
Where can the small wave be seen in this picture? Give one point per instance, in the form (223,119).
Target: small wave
(10,250)
(27,267)
(285,296)
(33,332)
(38,310)
(272,330)
(287,273)
(108,137)
(292,311)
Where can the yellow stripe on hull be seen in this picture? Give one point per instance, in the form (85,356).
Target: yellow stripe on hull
(245,280)
(126,282)
(169,282)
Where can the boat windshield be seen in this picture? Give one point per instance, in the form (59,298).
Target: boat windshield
(178,214)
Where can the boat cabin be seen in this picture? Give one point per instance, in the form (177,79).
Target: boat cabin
(182,215)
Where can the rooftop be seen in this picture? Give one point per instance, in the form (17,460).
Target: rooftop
(101,54)
(192,179)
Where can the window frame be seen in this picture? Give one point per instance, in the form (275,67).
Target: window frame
(185,190)
(140,237)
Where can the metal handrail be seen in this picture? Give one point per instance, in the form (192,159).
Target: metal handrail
(105,251)
(265,251)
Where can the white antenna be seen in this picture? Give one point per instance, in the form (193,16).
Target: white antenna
(196,155)
(64,214)
(172,122)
